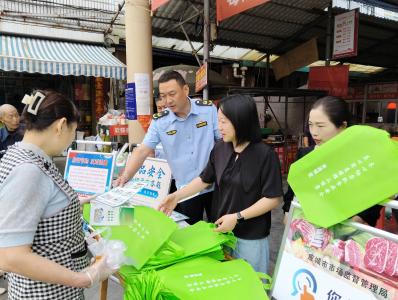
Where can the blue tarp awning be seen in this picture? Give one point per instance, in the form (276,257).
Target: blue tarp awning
(34,55)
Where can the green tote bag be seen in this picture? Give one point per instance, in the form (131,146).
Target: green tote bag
(143,236)
(348,174)
(201,278)
(148,232)
(195,240)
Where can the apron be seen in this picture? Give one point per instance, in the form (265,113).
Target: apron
(59,238)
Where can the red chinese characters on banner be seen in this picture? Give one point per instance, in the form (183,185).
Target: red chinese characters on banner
(386,90)
(229,8)
(118,130)
(334,80)
(201,78)
(155,4)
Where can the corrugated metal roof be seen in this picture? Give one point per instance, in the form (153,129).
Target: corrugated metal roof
(263,27)
(281,25)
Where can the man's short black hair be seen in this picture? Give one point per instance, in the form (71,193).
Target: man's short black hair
(172,75)
(241,110)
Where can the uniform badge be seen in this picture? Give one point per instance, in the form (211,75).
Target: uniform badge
(171,132)
(201,124)
(160,114)
(204,102)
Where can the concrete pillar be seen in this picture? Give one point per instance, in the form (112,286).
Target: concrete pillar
(139,64)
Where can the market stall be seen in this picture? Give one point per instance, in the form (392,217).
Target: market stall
(157,262)
(324,254)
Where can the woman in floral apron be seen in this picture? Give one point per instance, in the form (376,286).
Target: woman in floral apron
(42,245)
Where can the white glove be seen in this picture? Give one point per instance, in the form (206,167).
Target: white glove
(99,271)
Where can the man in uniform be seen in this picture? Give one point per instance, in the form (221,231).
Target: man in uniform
(160,104)
(187,130)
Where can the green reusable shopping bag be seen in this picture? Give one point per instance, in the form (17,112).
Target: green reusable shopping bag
(195,240)
(149,231)
(149,285)
(199,279)
(348,174)
(186,243)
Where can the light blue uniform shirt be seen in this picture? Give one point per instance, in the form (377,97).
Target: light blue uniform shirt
(186,142)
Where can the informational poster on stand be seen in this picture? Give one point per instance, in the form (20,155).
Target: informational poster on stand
(89,173)
(157,173)
(345,42)
(148,187)
(340,262)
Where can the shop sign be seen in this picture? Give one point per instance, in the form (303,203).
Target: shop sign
(118,130)
(89,173)
(201,78)
(155,4)
(229,8)
(131,102)
(383,90)
(345,41)
(333,79)
(340,262)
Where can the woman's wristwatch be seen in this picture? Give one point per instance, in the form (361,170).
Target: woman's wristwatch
(239,217)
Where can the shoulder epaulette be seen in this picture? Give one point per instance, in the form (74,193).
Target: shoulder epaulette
(160,114)
(204,102)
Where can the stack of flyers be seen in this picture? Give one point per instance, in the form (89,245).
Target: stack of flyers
(120,195)
(177,217)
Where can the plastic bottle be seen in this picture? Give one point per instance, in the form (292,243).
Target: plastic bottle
(107,138)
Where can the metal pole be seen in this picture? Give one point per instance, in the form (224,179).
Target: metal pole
(266,84)
(364,106)
(328,55)
(139,63)
(267,71)
(286,123)
(206,42)
(194,51)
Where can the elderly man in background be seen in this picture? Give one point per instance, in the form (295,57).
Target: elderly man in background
(11,132)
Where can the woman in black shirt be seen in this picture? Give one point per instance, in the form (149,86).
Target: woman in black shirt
(247,179)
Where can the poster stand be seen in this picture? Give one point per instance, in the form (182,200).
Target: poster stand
(346,261)
(89,173)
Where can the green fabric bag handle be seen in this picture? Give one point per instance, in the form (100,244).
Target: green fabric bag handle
(170,250)
(195,240)
(267,286)
(147,285)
